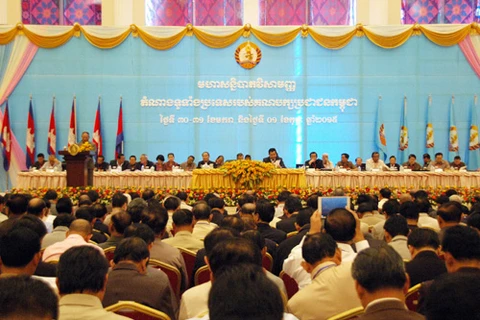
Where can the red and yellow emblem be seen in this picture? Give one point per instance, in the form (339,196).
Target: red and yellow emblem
(248,55)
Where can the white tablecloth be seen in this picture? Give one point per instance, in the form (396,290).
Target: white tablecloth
(162,179)
(415,179)
(168,179)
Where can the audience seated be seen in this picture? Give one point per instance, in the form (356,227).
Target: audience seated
(425,265)
(171,204)
(424,219)
(454,296)
(137,209)
(257,238)
(99,212)
(473,221)
(449,214)
(183,228)
(366,214)
(282,197)
(255,297)
(129,281)
(60,227)
(291,208)
(183,196)
(119,221)
(344,227)
(218,212)
(396,232)
(264,212)
(381,284)
(82,280)
(86,213)
(303,226)
(203,217)
(23,297)
(19,251)
(38,208)
(79,233)
(119,203)
(157,221)
(332,290)
(195,300)
(461,247)
(410,211)
(389,209)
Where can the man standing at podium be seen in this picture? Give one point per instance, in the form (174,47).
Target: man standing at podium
(90,163)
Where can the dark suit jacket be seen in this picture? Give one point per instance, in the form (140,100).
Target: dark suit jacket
(389,310)
(149,164)
(103,166)
(363,167)
(318,164)
(396,165)
(425,266)
(201,163)
(287,225)
(270,233)
(286,247)
(137,166)
(217,216)
(45,269)
(113,163)
(267,160)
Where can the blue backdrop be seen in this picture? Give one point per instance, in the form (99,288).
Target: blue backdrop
(360,71)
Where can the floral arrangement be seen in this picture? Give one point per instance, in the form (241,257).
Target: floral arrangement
(230,196)
(247,173)
(86,146)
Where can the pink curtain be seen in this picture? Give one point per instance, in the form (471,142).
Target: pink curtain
(47,12)
(471,54)
(18,155)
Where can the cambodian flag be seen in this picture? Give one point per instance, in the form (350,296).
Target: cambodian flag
(120,138)
(380,138)
(30,137)
(6,139)
(72,132)
(52,132)
(97,131)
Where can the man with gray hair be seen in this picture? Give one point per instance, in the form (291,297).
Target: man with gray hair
(381,283)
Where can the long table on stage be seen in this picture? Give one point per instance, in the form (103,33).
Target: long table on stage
(414,179)
(161,179)
(288,178)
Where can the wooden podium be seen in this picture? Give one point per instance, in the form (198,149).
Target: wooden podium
(79,168)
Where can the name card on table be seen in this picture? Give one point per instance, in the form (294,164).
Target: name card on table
(439,170)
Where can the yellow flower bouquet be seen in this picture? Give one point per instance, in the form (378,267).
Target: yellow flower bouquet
(247,173)
(86,146)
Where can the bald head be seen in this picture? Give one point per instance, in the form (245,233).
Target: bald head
(404,197)
(81,227)
(36,206)
(248,208)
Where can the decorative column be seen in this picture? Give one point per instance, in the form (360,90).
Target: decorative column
(123,12)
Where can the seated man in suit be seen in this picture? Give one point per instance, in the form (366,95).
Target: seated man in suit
(344,163)
(359,165)
(206,163)
(274,159)
(264,212)
(40,161)
(425,265)
(145,163)
(291,208)
(314,162)
(393,165)
(133,165)
(412,163)
(381,283)
(168,166)
(120,164)
(101,165)
(457,163)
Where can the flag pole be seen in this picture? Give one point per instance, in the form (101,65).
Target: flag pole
(121,100)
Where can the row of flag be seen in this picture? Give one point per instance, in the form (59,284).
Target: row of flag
(453,145)
(6,133)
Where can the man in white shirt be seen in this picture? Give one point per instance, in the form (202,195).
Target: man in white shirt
(79,233)
(385,195)
(424,219)
(344,227)
(52,164)
(374,163)
(183,196)
(332,285)
(396,232)
(381,284)
(203,216)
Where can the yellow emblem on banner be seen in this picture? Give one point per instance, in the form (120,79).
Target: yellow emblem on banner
(248,55)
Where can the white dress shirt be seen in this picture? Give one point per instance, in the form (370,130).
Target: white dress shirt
(292,265)
(425,221)
(202,228)
(370,164)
